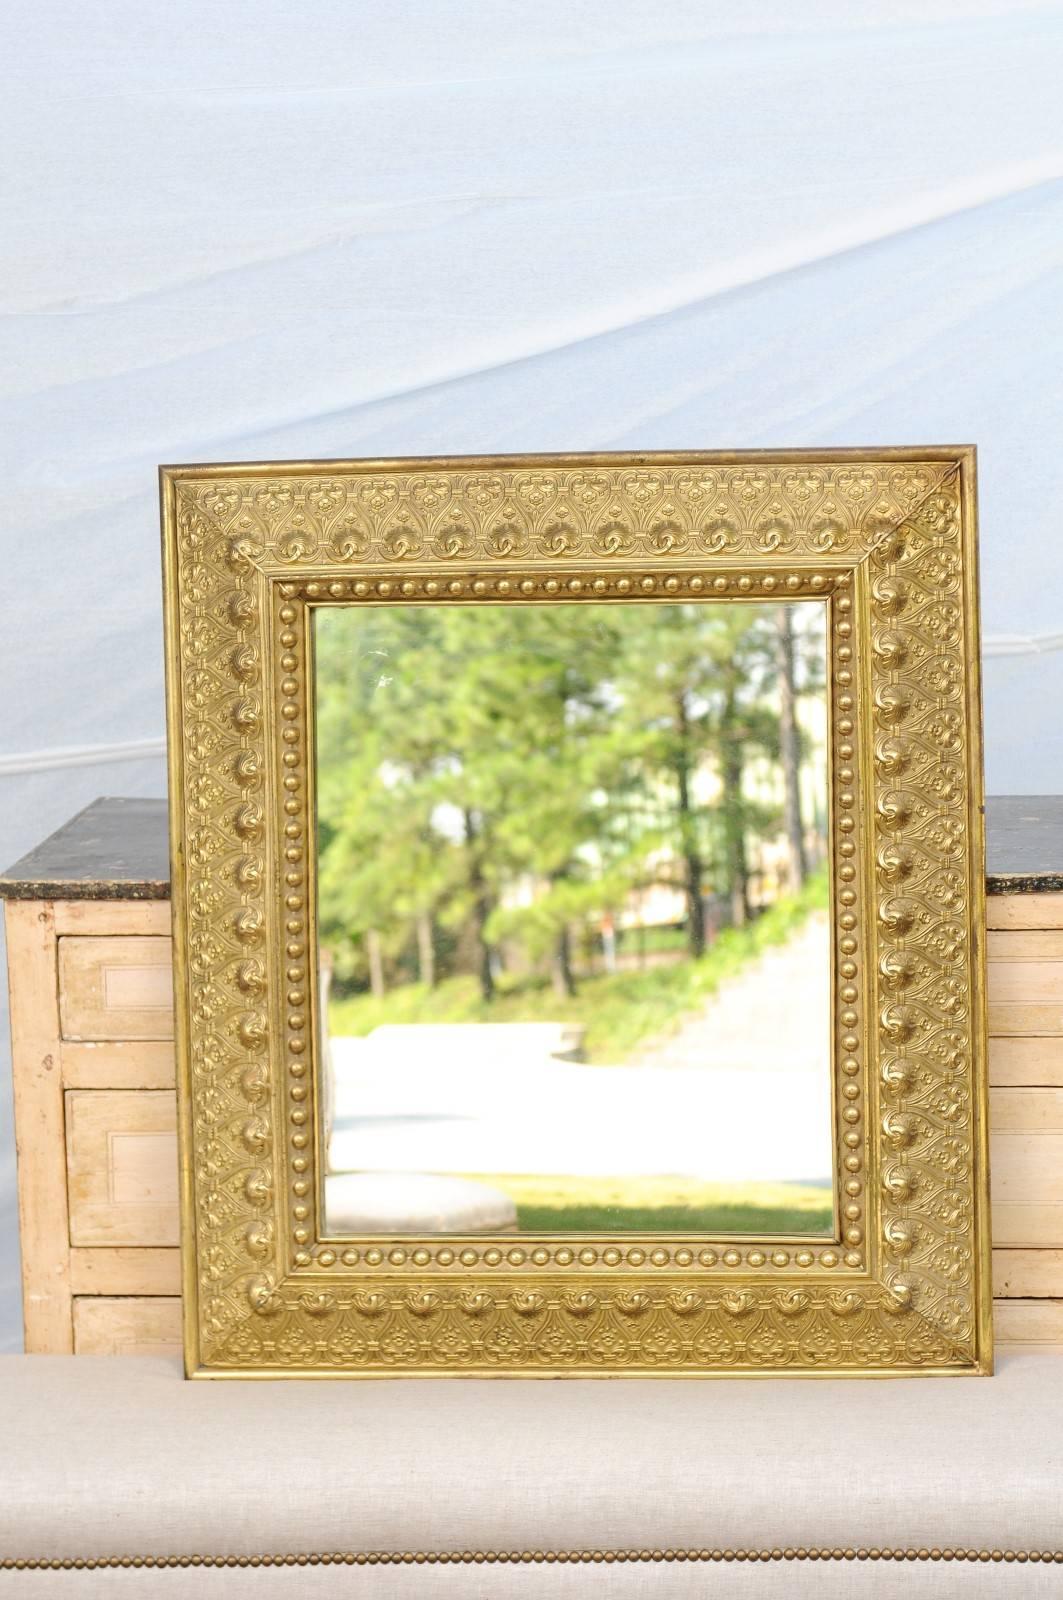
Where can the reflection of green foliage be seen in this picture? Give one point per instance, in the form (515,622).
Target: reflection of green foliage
(565,1217)
(665,1205)
(504,776)
(620,1012)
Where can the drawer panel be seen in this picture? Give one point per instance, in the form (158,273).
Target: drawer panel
(115,988)
(127,1326)
(1014,1063)
(1026,1110)
(1024,982)
(1028,1321)
(1026,1168)
(1017,911)
(118,1064)
(122,1167)
(1028,1274)
(125,1270)
(1030,1224)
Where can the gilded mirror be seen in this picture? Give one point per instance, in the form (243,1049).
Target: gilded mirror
(577,869)
(572,904)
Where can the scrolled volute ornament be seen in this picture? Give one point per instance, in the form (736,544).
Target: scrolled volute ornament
(263,1298)
(893,702)
(257,1188)
(900,1129)
(900,1236)
(247,821)
(900,1297)
(251,1029)
(898,915)
(580,1305)
(899,1184)
(899,1075)
(247,925)
(899,1024)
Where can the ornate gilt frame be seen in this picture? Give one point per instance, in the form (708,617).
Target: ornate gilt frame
(887,538)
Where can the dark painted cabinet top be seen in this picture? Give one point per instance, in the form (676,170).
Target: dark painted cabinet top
(117,849)
(113,850)
(1024,843)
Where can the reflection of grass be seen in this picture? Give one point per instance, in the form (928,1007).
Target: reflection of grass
(619,1011)
(666,1205)
(652,940)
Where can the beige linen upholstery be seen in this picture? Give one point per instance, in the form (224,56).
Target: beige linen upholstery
(107,1457)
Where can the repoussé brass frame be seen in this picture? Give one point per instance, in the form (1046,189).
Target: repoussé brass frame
(887,539)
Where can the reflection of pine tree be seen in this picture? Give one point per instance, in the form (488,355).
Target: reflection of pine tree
(692,679)
(494,782)
(479,900)
(789,745)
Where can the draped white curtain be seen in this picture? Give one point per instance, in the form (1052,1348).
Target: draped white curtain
(260,230)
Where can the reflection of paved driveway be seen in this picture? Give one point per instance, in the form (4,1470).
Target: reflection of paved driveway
(777,1009)
(752,1105)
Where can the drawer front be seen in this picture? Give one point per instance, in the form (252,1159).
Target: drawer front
(1028,1274)
(1028,1321)
(1026,1166)
(115,988)
(122,1167)
(1015,912)
(1024,982)
(122,1155)
(127,1327)
(1017,1063)
(126,1270)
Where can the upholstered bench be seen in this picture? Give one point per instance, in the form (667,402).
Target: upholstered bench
(120,1479)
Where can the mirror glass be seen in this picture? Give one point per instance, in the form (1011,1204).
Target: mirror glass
(572,902)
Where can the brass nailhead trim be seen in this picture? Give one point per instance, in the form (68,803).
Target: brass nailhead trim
(442,1558)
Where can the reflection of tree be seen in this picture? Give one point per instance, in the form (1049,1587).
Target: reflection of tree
(498,785)
(789,744)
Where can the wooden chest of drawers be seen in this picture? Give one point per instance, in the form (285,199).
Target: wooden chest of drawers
(88,924)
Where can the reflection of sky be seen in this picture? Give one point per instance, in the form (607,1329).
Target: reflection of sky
(412,1107)
(449,822)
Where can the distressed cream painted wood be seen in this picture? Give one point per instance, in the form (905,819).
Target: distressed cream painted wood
(115,987)
(122,1166)
(1026,1110)
(140,1326)
(122,1270)
(123,1218)
(1019,1063)
(1029,1321)
(39,1125)
(1021,1019)
(1025,997)
(1032,1224)
(1026,944)
(118,1064)
(1024,911)
(100,918)
(1027,1274)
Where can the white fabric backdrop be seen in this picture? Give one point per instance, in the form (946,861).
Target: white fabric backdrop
(258,230)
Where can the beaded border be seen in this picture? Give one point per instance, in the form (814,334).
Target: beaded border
(310,1247)
(442,1558)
